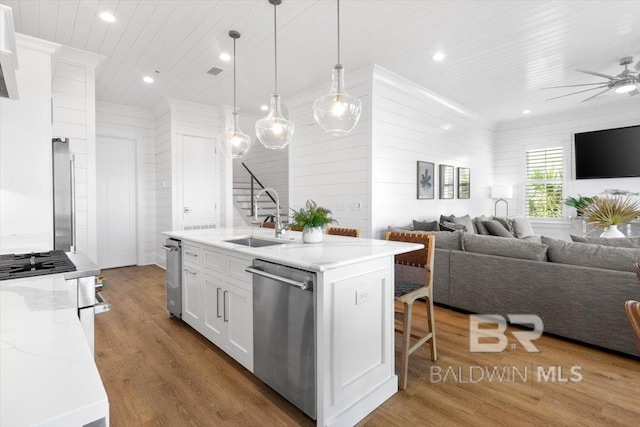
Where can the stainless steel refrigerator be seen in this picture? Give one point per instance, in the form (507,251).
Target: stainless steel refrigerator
(64,237)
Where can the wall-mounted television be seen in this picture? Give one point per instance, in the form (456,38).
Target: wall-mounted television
(608,153)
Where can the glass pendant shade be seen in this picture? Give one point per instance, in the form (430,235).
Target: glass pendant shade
(274,131)
(337,113)
(234,143)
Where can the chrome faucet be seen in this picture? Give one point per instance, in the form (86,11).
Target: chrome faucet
(279,228)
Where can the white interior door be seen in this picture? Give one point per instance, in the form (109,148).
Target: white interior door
(199,182)
(116,197)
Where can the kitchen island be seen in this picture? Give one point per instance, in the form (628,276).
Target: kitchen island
(48,374)
(352,299)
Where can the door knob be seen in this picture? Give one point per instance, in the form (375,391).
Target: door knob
(187,209)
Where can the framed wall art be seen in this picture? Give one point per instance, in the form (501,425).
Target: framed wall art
(464,183)
(446,182)
(426,180)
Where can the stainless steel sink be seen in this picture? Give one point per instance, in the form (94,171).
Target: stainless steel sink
(254,242)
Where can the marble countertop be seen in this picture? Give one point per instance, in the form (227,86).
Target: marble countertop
(332,252)
(48,374)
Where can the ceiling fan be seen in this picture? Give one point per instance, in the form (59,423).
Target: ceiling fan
(627,81)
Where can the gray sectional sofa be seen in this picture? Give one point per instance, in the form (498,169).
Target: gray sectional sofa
(578,289)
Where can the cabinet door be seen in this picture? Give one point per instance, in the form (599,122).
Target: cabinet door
(192,297)
(213,326)
(239,321)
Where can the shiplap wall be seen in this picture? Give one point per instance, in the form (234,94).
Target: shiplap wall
(271,167)
(410,124)
(333,171)
(74,117)
(513,138)
(163,129)
(137,124)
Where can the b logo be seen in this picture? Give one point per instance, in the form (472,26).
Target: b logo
(476,333)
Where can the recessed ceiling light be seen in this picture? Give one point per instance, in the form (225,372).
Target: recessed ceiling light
(526,111)
(225,56)
(439,56)
(107,17)
(264,107)
(147,79)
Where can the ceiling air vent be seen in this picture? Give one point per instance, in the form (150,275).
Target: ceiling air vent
(215,71)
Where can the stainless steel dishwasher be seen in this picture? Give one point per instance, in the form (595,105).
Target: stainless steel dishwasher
(284,332)
(174,277)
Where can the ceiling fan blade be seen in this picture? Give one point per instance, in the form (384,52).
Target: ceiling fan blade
(597,74)
(575,93)
(634,92)
(585,84)
(597,94)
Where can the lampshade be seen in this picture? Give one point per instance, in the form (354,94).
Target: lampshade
(501,192)
(234,143)
(274,131)
(337,113)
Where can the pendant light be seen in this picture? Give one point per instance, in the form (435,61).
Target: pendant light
(337,113)
(234,143)
(274,131)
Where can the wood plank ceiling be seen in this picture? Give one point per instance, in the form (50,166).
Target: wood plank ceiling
(499,53)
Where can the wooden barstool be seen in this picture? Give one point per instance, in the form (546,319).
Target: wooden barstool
(349,232)
(407,293)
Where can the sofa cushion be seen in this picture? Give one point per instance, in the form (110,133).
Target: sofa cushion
(426,226)
(465,221)
(511,248)
(590,255)
(522,227)
(496,229)
(478,222)
(627,242)
(444,239)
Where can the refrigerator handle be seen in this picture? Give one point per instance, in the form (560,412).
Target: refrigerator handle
(72,165)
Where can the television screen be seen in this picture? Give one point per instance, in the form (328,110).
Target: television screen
(609,153)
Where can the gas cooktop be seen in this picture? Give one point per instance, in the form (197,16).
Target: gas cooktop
(15,266)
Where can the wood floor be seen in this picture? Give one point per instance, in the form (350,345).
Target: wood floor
(159,372)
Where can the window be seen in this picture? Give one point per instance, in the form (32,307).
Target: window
(543,183)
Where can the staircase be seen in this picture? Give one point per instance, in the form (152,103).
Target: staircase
(245,188)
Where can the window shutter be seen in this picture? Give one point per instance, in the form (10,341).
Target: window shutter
(544,179)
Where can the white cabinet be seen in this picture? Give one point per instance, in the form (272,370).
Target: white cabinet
(218,299)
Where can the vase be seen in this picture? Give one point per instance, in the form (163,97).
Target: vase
(312,235)
(612,232)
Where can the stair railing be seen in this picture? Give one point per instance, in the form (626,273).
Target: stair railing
(253,183)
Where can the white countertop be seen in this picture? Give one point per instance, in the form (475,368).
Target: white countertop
(332,252)
(47,372)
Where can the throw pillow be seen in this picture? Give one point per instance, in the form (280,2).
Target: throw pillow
(522,227)
(627,242)
(466,222)
(426,226)
(511,248)
(451,226)
(478,221)
(590,255)
(445,218)
(496,229)
(506,222)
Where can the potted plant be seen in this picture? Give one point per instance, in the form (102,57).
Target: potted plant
(609,212)
(579,204)
(312,218)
